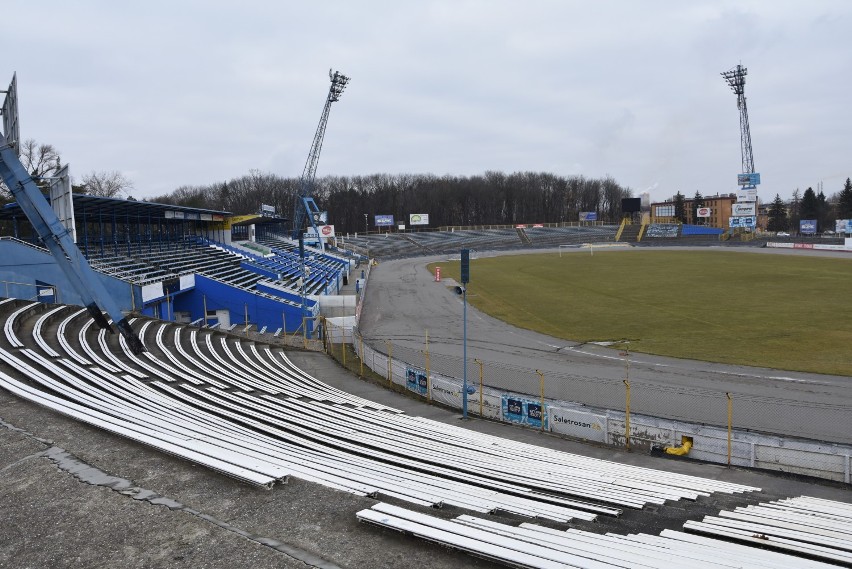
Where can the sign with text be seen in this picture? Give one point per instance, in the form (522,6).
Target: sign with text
(704,212)
(519,409)
(588,216)
(749,208)
(579,424)
(383,221)
(742,221)
(843,226)
(418,219)
(416,381)
(808,226)
(746,195)
(325,231)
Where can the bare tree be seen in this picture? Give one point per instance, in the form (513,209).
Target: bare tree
(111,184)
(39,160)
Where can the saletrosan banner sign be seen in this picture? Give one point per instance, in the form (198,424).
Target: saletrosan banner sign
(744,209)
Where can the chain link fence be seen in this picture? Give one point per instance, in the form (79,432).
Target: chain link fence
(733,428)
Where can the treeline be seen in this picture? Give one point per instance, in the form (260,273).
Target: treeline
(493,198)
(786,215)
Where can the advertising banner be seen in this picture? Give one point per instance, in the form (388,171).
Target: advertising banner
(843,226)
(319,217)
(743,221)
(746,196)
(383,221)
(704,212)
(324,231)
(588,216)
(268,209)
(748,179)
(808,226)
(418,219)
(519,409)
(749,208)
(449,392)
(578,424)
(416,381)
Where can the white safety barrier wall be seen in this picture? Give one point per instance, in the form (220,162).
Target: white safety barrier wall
(576,420)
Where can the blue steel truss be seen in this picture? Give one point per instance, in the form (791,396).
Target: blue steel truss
(306,208)
(58,240)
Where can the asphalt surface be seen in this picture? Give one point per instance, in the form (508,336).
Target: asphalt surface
(403,301)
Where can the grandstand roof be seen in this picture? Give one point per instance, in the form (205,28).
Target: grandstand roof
(117,206)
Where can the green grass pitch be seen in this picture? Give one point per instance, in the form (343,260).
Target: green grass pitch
(778,311)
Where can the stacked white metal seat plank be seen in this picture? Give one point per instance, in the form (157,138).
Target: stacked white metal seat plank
(90,352)
(816,527)
(542,546)
(42,343)
(167,373)
(254,409)
(107,352)
(63,338)
(92,414)
(9,326)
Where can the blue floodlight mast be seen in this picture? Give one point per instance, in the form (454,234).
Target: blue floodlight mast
(736,80)
(306,207)
(57,239)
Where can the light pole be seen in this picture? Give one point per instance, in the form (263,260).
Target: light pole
(465,278)
(366,227)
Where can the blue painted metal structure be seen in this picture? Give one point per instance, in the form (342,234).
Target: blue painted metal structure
(306,207)
(58,240)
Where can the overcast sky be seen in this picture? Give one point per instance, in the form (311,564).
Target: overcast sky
(189,93)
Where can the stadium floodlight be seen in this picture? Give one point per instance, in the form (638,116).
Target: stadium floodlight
(9,110)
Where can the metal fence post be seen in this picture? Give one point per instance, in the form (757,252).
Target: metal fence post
(390,351)
(343,344)
(627,414)
(477,360)
(428,374)
(730,423)
(361,342)
(541,394)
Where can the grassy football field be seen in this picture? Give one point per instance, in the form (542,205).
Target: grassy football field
(779,311)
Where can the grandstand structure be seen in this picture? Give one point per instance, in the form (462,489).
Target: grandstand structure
(451,240)
(177,263)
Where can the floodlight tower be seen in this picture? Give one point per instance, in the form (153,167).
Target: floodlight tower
(305,205)
(736,80)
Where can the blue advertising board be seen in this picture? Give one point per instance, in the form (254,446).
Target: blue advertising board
(748,179)
(416,381)
(742,221)
(518,409)
(588,216)
(384,220)
(808,226)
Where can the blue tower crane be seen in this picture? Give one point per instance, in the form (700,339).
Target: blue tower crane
(57,239)
(306,207)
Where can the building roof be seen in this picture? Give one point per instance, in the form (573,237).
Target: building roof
(118,207)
